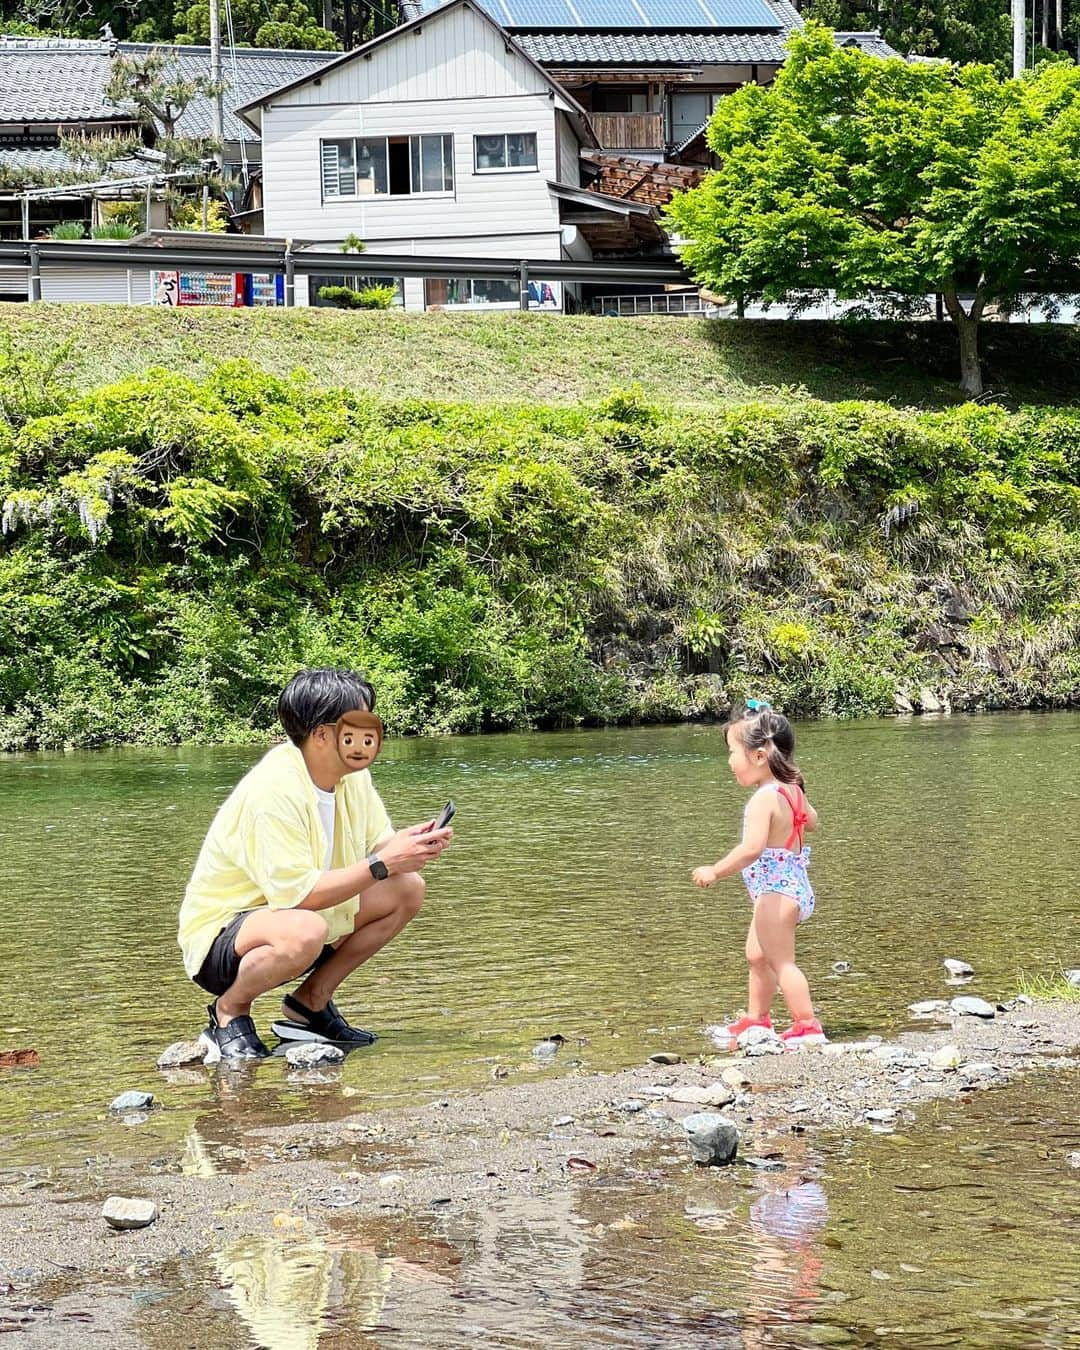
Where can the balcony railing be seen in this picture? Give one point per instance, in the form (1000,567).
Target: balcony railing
(629,131)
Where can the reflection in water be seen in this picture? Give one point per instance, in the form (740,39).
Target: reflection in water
(281,1290)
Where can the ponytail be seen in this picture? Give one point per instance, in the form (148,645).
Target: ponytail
(762,728)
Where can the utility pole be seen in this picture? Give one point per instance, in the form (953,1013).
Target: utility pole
(1019,26)
(218,124)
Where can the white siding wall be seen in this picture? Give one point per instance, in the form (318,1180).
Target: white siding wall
(482,205)
(569,152)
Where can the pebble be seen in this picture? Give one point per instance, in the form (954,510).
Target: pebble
(841,967)
(955,967)
(1073,977)
(631,1106)
(132,1101)
(966,1006)
(562,1120)
(714,1094)
(665,1057)
(928,1007)
(735,1078)
(714,1139)
(308,1055)
(890,1054)
(765,1164)
(948,1057)
(546,1049)
(880,1115)
(906,1083)
(1073,1159)
(122,1213)
(180,1053)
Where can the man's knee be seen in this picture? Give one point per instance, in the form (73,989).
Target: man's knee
(413,887)
(301,936)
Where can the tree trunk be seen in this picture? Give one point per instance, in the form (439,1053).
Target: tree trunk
(1046,23)
(328,14)
(967,328)
(1059,26)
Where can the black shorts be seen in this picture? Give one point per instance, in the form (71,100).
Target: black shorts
(218,972)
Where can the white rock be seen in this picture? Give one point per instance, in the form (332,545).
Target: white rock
(713,1094)
(756,1036)
(928,1007)
(562,1120)
(132,1101)
(881,1115)
(1073,1159)
(734,1077)
(841,967)
(929,701)
(890,1054)
(1073,977)
(955,967)
(978,1069)
(182,1052)
(311,1053)
(948,1057)
(902,703)
(759,1048)
(966,1006)
(122,1213)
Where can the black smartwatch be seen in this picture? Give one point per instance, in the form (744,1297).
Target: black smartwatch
(379,869)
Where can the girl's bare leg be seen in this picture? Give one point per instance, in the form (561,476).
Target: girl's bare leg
(762,978)
(775,917)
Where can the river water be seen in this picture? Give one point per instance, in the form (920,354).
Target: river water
(565,906)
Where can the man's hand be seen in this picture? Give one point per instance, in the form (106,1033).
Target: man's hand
(704,876)
(410,850)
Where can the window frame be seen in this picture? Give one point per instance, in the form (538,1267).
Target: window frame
(415,148)
(505,136)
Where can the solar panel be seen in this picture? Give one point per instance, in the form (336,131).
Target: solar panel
(627,15)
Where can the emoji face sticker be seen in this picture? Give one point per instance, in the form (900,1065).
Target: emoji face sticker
(359,738)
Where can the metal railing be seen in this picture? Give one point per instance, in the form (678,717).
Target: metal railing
(666,302)
(281,257)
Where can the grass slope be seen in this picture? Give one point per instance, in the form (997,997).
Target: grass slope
(555,359)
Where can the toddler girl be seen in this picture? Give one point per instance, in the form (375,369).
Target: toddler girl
(773,861)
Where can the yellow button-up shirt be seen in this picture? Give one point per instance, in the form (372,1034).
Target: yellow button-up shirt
(267,845)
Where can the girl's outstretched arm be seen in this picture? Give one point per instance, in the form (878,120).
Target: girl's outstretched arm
(753,844)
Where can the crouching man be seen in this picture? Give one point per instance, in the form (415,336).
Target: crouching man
(301,875)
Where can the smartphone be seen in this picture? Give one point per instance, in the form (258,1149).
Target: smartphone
(446,815)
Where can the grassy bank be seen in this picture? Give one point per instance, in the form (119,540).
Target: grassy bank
(174,548)
(550,359)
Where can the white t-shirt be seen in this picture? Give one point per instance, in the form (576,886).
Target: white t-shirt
(327,814)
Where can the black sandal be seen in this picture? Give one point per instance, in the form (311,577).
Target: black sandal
(326,1027)
(237,1040)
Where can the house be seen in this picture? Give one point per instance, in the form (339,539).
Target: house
(440,137)
(50,86)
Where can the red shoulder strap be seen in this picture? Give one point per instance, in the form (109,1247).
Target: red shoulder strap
(800,817)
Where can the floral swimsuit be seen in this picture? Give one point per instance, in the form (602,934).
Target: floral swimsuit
(783,870)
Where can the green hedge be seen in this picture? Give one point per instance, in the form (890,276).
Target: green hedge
(173,551)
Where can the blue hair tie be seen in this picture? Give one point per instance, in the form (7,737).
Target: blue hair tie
(758,704)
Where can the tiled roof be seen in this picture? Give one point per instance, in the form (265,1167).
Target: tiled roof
(53,80)
(63,80)
(672,49)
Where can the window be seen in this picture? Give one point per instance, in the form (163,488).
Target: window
(467,291)
(688,111)
(620,101)
(316,284)
(514,150)
(395,166)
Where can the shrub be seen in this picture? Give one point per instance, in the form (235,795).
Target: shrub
(371,297)
(68,229)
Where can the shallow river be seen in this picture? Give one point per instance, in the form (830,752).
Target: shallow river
(565,906)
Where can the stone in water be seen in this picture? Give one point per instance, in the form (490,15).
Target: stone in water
(967,1006)
(955,967)
(841,967)
(714,1140)
(948,1057)
(665,1057)
(546,1049)
(122,1213)
(180,1053)
(132,1101)
(313,1053)
(1073,977)
(881,1116)
(928,1007)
